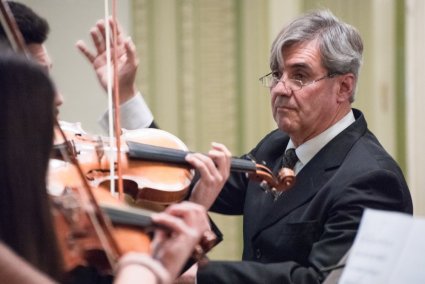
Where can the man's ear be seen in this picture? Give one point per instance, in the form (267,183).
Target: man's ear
(346,87)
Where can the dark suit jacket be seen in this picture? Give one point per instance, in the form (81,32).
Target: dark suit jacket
(311,226)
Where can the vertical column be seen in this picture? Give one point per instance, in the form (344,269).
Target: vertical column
(415,101)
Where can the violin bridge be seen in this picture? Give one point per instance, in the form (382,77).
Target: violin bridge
(99,149)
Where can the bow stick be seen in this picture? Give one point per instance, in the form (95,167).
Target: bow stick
(113,97)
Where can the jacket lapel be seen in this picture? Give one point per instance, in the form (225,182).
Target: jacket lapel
(308,182)
(314,175)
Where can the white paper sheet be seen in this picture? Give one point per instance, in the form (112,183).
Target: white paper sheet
(389,249)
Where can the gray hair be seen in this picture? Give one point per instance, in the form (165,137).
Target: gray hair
(340,44)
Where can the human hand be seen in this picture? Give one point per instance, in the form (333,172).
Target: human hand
(126,58)
(188,223)
(214,170)
(189,276)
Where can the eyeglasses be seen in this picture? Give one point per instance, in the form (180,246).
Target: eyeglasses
(270,81)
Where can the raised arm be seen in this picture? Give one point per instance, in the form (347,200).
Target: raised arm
(134,111)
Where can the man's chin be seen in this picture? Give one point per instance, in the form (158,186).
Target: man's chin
(285,126)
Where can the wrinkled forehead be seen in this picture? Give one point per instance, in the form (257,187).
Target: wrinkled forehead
(39,53)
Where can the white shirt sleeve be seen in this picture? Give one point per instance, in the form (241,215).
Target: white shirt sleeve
(134,114)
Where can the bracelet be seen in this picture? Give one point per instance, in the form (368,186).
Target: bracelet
(161,274)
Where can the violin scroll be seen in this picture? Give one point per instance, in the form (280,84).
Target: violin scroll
(286,178)
(269,182)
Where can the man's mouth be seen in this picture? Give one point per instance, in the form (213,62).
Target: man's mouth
(283,108)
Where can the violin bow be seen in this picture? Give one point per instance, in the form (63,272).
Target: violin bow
(113,97)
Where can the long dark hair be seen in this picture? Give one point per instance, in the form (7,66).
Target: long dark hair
(26,137)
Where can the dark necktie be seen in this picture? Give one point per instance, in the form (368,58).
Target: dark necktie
(290,158)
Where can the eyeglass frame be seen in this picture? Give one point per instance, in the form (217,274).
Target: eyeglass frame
(297,82)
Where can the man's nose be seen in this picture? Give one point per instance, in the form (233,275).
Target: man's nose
(281,89)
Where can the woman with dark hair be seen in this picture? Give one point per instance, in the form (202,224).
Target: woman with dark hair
(28,246)
(26,135)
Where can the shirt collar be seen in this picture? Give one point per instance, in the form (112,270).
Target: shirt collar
(310,148)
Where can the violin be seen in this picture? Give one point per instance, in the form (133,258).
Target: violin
(94,228)
(154,167)
(88,238)
(85,233)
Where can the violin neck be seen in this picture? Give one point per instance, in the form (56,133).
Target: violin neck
(168,155)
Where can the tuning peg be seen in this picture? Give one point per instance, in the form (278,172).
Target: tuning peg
(251,157)
(265,186)
(276,194)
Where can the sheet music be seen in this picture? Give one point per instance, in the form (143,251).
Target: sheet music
(389,249)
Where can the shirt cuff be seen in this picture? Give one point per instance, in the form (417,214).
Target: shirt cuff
(134,114)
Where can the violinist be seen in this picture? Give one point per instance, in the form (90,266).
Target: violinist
(27,235)
(26,118)
(341,167)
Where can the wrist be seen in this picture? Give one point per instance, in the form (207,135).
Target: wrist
(127,93)
(139,259)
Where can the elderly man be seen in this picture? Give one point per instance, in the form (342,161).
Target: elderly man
(341,168)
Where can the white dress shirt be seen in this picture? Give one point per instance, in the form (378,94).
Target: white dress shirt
(310,148)
(134,114)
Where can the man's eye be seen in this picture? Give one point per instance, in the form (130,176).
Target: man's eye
(299,77)
(276,75)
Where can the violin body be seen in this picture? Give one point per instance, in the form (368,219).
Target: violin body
(146,182)
(83,238)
